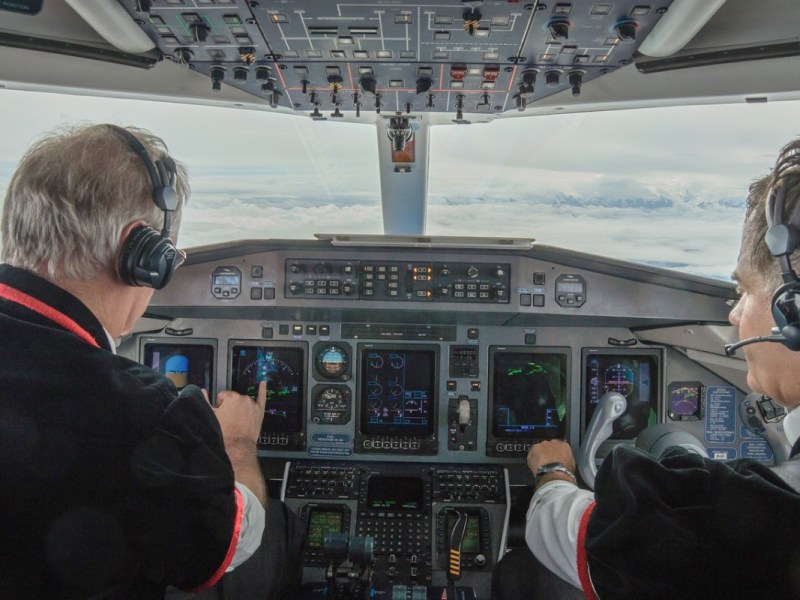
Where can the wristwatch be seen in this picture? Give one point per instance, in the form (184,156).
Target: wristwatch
(553,467)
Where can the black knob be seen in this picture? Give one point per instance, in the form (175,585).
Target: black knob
(262,73)
(217,76)
(576,80)
(472,271)
(559,30)
(296,268)
(552,78)
(322,268)
(240,74)
(627,31)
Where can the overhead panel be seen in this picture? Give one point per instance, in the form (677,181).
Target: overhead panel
(323,58)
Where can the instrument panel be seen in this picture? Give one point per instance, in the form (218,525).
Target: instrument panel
(394,415)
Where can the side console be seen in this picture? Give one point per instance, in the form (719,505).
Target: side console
(409,510)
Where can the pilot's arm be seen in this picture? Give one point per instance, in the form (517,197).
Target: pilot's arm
(200,510)
(557,507)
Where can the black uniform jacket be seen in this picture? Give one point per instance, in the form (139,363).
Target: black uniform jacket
(111,484)
(686,527)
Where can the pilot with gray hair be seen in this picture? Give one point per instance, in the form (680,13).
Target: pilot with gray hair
(113,484)
(681,525)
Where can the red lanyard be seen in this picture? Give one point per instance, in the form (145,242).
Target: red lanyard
(59,318)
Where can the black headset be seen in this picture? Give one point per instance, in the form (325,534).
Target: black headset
(782,239)
(149,258)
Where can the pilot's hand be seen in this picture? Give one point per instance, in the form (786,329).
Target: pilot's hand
(239,417)
(550,451)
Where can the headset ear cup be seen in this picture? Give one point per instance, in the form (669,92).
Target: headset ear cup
(786,312)
(147,259)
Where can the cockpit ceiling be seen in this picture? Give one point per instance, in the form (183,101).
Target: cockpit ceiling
(461,61)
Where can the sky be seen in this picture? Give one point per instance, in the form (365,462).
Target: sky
(660,186)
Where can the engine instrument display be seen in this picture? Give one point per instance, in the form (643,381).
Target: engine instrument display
(635,375)
(528,394)
(397,391)
(183,364)
(283,370)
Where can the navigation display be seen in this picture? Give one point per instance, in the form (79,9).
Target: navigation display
(283,370)
(528,395)
(183,364)
(635,375)
(397,390)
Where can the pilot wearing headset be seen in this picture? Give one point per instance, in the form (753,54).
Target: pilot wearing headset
(684,526)
(112,484)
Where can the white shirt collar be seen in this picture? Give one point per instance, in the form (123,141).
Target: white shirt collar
(111,341)
(791,426)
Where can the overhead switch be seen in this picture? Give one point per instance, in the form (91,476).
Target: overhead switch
(576,80)
(217,76)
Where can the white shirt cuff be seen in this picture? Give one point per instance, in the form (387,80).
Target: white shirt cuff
(252,528)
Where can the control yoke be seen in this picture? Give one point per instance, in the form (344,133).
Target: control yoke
(609,408)
(657,438)
(654,440)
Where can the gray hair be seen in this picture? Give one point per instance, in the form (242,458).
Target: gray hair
(72,195)
(754,254)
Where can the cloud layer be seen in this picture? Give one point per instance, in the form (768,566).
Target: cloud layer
(664,187)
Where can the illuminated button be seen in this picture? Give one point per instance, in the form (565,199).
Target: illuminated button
(333,291)
(297,330)
(473,333)
(311,330)
(324,329)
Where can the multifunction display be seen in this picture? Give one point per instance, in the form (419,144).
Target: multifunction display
(527,398)
(283,368)
(397,396)
(182,363)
